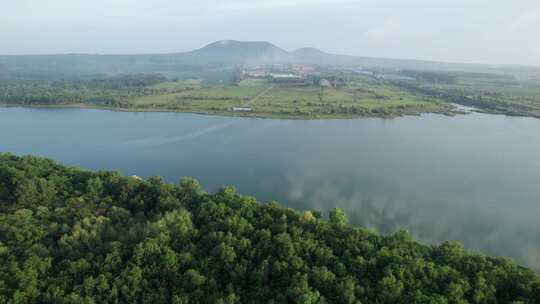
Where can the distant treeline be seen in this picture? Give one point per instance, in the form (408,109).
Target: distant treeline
(442,77)
(430,77)
(121,82)
(490,102)
(73,236)
(105,90)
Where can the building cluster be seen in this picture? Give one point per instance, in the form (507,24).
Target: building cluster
(284,74)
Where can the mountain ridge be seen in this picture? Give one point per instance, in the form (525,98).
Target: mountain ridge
(240,51)
(219,53)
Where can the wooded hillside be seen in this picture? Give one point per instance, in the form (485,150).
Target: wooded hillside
(74,236)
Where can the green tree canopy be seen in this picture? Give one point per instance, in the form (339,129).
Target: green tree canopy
(74,236)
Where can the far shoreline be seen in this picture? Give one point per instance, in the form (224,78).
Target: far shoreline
(452,113)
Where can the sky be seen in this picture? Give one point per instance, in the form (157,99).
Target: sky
(479,31)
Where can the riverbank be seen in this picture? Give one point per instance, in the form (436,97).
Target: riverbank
(447,112)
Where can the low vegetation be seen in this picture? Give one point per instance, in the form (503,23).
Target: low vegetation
(74,236)
(489,93)
(381,94)
(149,92)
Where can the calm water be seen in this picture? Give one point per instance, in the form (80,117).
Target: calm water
(473,178)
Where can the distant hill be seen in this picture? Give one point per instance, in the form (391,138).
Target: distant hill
(213,57)
(240,51)
(312,55)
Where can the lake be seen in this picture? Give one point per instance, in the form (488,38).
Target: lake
(472,178)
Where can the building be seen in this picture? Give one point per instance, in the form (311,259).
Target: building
(259,73)
(242,109)
(304,70)
(287,79)
(325,83)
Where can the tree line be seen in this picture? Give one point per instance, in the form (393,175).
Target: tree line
(74,236)
(100,90)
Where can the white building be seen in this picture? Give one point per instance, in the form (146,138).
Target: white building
(242,109)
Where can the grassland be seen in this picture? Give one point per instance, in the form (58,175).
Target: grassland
(356,99)
(353,97)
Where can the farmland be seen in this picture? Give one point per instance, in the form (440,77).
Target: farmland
(350,94)
(358,99)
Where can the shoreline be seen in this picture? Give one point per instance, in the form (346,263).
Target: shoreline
(451,113)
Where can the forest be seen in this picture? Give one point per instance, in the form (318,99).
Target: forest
(98,90)
(69,235)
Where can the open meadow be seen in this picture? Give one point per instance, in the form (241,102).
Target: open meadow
(264,99)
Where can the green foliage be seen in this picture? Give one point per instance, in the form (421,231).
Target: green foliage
(431,77)
(73,236)
(490,93)
(338,217)
(100,91)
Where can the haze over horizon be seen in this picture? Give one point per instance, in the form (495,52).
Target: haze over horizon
(471,31)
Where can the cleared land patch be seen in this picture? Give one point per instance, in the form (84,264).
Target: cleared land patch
(271,100)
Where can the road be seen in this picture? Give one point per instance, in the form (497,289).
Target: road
(261,94)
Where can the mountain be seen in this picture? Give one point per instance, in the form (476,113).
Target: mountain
(215,57)
(240,51)
(312,55)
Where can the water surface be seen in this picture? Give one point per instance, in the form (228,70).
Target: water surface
(473,178)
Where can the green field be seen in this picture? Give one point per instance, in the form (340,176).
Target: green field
(357,99)
(354,96)
(179,85)
(215,98)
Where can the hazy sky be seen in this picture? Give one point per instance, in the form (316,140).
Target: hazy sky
(485,31)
